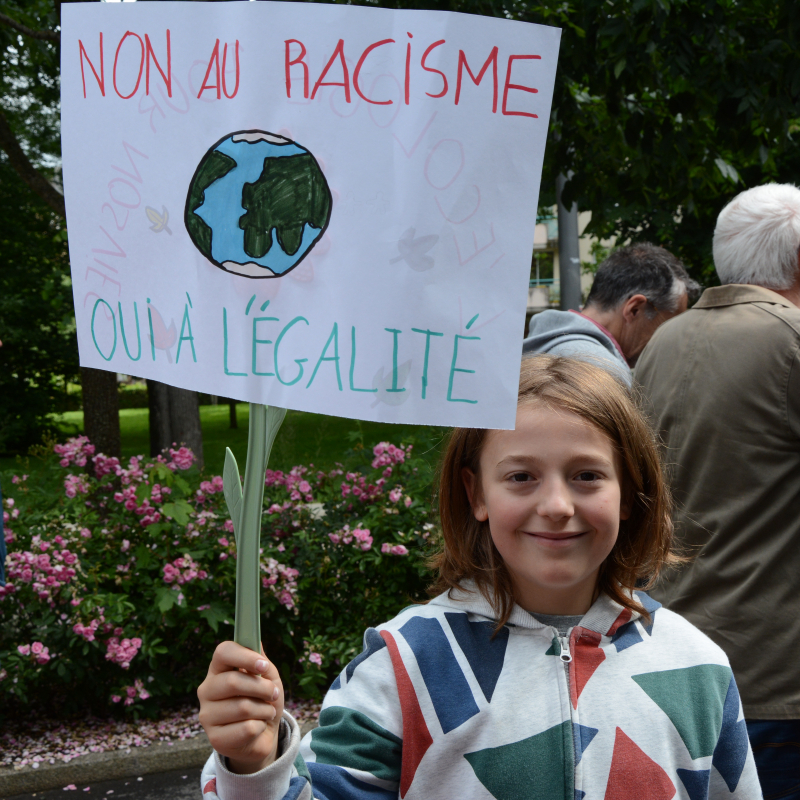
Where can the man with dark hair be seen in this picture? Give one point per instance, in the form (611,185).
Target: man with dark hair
(635,290)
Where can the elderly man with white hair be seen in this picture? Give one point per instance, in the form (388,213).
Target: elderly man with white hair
(723,384)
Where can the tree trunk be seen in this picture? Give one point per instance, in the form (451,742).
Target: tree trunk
(184,420)
(174,419)
(158,406)
(232,414)
(101,410)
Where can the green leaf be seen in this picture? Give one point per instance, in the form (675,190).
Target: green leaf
(232,488)
(165,599)
(180,511)
(619,67)
(215,615)
(182,484)
(164,474)
(142,492)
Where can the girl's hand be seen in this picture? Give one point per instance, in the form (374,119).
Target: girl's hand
(241,704)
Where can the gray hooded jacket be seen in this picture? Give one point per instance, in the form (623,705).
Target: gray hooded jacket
(562,333)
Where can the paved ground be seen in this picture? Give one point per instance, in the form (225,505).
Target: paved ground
(179,784)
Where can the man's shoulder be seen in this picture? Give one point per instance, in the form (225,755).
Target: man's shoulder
(723,318)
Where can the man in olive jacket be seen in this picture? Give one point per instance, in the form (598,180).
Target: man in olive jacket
(723,385)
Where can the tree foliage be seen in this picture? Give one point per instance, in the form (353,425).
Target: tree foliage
(665,110)
(39,352)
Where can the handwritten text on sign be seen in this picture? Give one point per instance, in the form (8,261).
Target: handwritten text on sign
(320,207)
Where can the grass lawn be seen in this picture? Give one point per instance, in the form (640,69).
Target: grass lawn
(303,439)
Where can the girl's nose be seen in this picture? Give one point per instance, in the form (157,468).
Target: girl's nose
(554,501)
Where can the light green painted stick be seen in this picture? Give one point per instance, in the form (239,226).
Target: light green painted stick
(245,511)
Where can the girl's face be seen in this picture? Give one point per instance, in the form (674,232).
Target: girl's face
(551,491)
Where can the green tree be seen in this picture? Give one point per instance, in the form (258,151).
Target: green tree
(663,111)
(30,144)
(39,352)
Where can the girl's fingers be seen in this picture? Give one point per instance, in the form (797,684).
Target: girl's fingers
(239,709)
(240,684)
(231,656)
(240,736)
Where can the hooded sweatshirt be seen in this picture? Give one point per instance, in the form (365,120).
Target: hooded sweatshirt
(565,333)
(437,707)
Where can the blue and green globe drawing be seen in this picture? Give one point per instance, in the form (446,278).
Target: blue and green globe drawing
(257,204)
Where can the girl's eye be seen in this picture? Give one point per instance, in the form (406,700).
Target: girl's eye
(587,477)
(520,477)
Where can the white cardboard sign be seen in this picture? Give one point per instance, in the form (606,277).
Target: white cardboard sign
(322,207)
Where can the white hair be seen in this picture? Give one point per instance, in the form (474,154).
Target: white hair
(757,238)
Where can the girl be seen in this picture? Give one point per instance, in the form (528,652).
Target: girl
(538,671)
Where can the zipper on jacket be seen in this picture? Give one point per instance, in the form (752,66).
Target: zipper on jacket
(566,656)
(566,659)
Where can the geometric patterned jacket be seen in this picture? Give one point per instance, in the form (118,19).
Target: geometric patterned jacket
(437,708)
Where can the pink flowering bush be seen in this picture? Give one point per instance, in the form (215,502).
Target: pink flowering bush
(121,575)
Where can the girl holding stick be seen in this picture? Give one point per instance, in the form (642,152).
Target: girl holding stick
(539,670)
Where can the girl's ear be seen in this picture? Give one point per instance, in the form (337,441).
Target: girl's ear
(472,485)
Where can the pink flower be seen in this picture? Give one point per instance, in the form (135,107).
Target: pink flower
(122,652)
(125,545)
(387,454)
(334,537)
(386,548)
(76,484)
(395,494)
(183,457)
(363,538)
(115,698)
(37,647)
(407,501)
(315,658)
(223,541)
(399,550)
(43,657)
(24,649)
(75,451)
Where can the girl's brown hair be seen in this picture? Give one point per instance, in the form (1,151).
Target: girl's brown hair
(644,544)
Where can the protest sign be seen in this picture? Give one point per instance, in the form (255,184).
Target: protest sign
(319,207)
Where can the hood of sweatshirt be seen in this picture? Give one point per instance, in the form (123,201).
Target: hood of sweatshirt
(605,616)
(553,327)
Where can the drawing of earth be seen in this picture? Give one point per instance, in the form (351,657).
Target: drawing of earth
(257,204)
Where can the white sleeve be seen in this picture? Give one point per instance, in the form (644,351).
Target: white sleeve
(277,781)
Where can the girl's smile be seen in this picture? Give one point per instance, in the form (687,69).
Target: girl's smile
(551,492)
